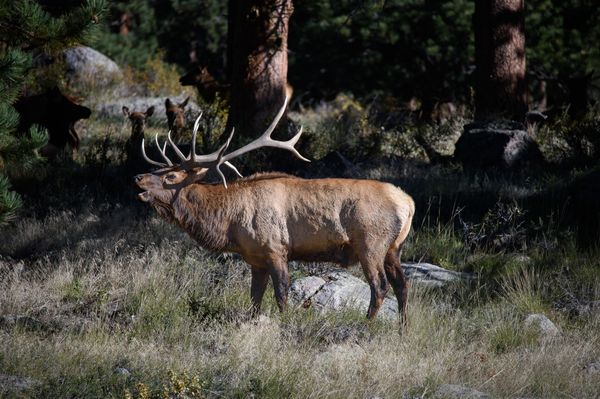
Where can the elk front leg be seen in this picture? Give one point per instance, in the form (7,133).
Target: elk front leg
(260,279)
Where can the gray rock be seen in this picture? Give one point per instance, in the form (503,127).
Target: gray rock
(592,368)
(503,144)
(13,383)
(85,66)
(430,275)
(542,324)
(338,289)
(452,391)
(122,371)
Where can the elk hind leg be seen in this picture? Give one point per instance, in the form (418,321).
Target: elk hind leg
(395,275)
(375,275)
(278,268)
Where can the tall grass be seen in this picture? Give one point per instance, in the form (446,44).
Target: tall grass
(92,284)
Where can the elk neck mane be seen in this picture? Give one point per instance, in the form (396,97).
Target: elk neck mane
(205,211)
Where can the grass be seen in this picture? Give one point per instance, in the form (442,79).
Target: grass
(110,287)
(132,292)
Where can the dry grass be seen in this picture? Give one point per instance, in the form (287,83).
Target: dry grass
(104,284)
(141,296)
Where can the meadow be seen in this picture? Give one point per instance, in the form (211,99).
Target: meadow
(101,298)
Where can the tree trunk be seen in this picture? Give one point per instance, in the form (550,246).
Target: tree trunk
(501,90)
(257,63)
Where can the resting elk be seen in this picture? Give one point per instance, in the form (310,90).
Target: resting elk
(138,123)
(272,218)
(176,116)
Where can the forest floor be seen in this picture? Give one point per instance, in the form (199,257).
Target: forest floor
(101,298)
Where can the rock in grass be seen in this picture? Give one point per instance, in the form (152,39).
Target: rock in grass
(546,328)
(451,391)
(338,289)
(13,383)
(498,143)
(592,368)
(85,66)
(430,275)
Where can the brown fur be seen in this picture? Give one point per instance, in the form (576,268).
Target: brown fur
(138,123)
(270,219)
(176,117)
(57,113)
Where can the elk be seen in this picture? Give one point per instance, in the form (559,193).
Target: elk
(272,218)
(208,87)
(138,122)
(57,113)
(176,116)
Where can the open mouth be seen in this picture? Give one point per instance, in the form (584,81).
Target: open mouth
(144,197)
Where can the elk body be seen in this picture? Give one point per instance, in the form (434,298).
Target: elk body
(57,113)
(272,218)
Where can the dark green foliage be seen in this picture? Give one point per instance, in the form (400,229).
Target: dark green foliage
(408,47)
(27,29)
(140,43)
(177,27)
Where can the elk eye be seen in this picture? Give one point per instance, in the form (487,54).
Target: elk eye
(171,176)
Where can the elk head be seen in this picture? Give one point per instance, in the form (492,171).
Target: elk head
(138,121)
(161,186)
(208,87)
(175,116)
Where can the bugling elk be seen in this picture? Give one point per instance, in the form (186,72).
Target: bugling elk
(272,218)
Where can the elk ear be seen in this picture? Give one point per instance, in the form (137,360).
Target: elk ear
(199,173)
(168,103)
(125,111)
(149,111)
(184,103)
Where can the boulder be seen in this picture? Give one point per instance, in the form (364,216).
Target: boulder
(86,67)
(546,328)
(430,275)
(504,144)
(338,289)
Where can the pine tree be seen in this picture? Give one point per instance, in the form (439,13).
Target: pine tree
(28,28)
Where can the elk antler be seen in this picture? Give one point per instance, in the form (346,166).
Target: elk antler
(218,158)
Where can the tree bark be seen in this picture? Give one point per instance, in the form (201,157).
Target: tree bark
(257,63)
(501,89)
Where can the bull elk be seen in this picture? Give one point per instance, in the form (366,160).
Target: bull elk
(272,218)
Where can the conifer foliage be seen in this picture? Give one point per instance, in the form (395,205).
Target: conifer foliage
(30,29)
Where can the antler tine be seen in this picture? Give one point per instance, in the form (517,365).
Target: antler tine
(177,150)
(148,159)
(162,151)
(230,165)
(265,140)
(194,135)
